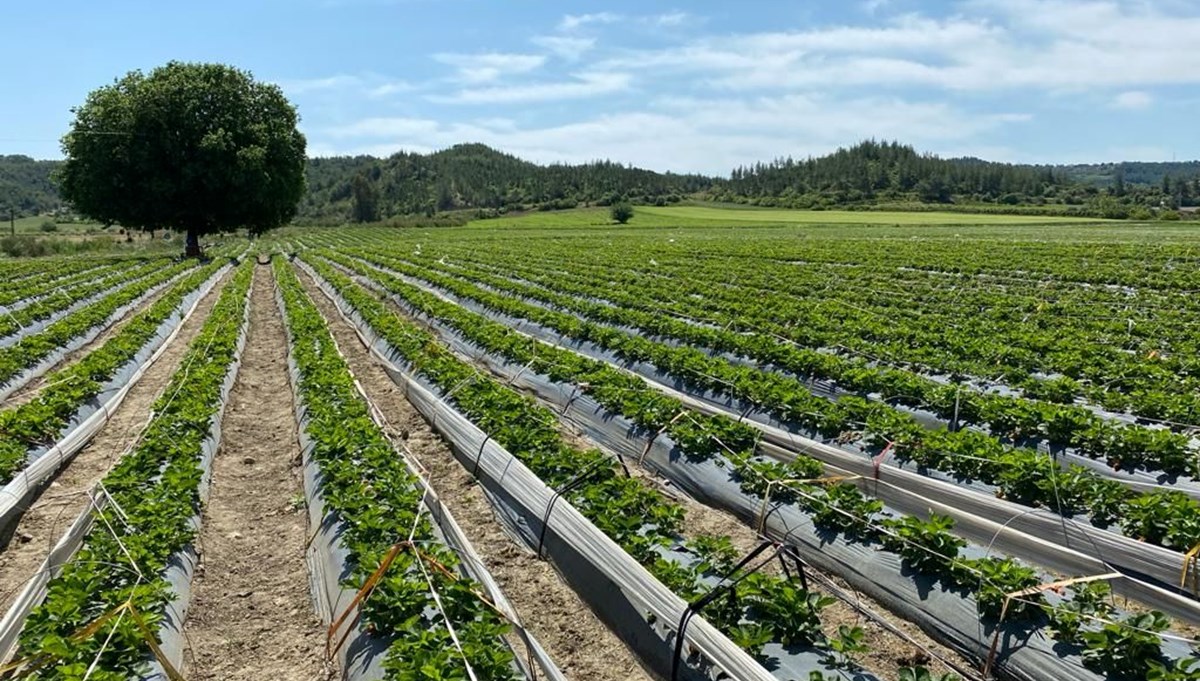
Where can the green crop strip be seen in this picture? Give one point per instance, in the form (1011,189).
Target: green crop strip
(67,296)
(47,276)
(38,423)
(366,484)
(1165,518)
(745,329)
(927,546)
(1124,349)
(30,350)
(155,486)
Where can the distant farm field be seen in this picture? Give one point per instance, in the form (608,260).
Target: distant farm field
(714,216)
(850,216)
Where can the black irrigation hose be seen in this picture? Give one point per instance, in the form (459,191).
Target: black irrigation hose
(699,604)
(595,467)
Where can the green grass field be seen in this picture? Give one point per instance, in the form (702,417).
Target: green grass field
(846,217)
(712,216)
(33,225)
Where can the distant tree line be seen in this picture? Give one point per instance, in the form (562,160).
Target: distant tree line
(468,180)
(890,174)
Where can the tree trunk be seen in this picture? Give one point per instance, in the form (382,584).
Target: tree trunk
(193,244)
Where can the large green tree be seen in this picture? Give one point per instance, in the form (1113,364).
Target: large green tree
(202,148)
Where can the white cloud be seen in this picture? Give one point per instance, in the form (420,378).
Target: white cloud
(490,66)
(370,85)
(670,19)
(1133,100)
(581,86)
(570,48)
(685,134)
(384,127)
(989,45)
(388,89)
(873,6)
(571,22)
(306,85)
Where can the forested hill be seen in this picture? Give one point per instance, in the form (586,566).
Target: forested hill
(1135,173)
(890,173)
(367,188)
(25,186)
(474,176)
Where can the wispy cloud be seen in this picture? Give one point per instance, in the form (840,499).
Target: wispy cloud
(571,22)
(997,45)
(580,86)
(567,47)
(306,85)
(686,134)
(369,85)
(489,66)
(669,19)
(873,6)
(1133,99)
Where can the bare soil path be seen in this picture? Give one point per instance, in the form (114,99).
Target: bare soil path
(63,499)
(578,642)
(251,615)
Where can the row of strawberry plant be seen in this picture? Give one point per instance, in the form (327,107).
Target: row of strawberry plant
(32,349)
(761,609)
(693,292)
(1169,519)
(36,424)
(741,328)
(65,297)
(155,494)
(929,547)
(862,320)
(1116,358)
(370,490)
(43,277)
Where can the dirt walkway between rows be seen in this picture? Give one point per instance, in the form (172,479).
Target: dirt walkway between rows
(578,642)
(43,524)
(251,615)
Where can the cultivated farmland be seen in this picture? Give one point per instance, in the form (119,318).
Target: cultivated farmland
(766,446)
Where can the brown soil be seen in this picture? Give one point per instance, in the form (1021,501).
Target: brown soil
(575,639)
(59,504)
(251,615)
(30,390)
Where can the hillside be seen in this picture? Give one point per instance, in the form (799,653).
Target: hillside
(474,176)
(891,174)
(1134,173)
(25,185)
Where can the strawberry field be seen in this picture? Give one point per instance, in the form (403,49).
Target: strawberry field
(525,451)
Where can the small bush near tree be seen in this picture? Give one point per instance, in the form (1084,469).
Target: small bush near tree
(622,212)
(48,226)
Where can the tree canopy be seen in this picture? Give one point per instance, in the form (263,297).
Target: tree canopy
(202,148)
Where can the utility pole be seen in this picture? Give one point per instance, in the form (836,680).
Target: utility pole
(12,220)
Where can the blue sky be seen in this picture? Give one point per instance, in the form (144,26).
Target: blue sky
(696,86)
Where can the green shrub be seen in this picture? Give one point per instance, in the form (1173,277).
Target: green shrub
(621,212)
